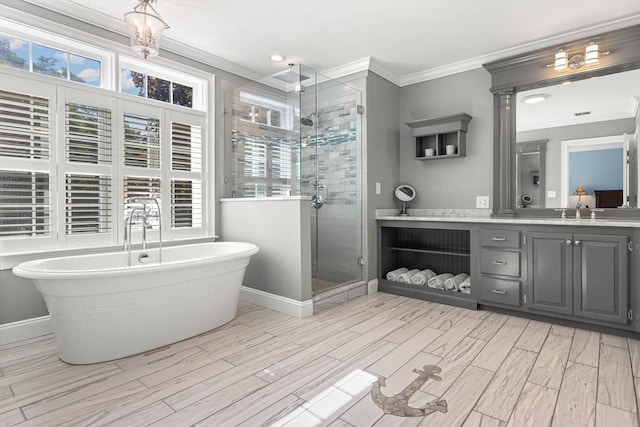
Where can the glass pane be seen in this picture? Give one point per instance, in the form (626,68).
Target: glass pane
(14,52)
(182,95)
(260,114)
(49,61)
(132,82)
(85,70)
(158,88)
(275,118)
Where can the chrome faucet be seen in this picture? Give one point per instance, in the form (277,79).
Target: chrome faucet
(593,213)
(146,212)
(127,232)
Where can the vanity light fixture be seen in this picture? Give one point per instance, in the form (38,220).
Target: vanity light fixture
(535,99)
(563,60)
(145,28)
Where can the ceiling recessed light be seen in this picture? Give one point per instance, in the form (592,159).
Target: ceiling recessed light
(277,58)
(534,99)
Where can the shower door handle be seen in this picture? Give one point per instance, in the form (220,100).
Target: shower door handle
(319,199)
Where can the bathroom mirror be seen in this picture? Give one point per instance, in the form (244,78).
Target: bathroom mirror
(589,125)
(515,78)
(530,174)
(405,193)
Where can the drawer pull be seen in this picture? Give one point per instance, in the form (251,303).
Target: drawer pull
(499,291)
(498,239)
(500,262)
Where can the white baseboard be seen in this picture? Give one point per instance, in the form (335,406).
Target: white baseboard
(25,329)
(299,309)
(372,286)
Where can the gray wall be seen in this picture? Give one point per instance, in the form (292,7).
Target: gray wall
(19,299)
(449,183)
(381,158)
(558,134)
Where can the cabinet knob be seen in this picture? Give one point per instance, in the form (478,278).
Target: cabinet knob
(577,242)
(499,291)
(500,262)
(569,242)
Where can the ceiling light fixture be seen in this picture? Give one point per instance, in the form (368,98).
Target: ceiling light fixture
(591,56)
(535,99)
(277,57)
(145,28)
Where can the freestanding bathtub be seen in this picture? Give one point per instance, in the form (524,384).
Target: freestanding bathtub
(102,309)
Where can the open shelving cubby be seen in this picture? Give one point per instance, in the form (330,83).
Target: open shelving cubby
(442,250)
(436,133)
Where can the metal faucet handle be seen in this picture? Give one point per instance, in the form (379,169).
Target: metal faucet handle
(563,210)
(593,212)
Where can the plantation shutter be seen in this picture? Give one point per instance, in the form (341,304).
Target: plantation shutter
(186,175)
(25,193)
(88,182)
(141,141)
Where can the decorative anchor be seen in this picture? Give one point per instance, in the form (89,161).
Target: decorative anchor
(399,404)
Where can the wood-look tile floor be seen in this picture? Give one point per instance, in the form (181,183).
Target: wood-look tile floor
(265,368)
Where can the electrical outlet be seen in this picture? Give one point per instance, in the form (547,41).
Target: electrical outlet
(482,202)
(551,194)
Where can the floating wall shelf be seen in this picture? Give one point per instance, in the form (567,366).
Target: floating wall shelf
(437,133)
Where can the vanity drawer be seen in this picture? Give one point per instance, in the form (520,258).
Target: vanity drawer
(500,262)
(500,291)
(500,238)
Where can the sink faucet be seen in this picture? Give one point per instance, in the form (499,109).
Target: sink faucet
(146,212)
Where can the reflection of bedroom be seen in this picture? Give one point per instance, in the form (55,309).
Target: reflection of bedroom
(600,173)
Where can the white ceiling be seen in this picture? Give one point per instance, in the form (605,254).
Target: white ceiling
(406,41)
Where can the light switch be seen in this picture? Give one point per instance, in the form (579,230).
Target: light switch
(378,190)
(551,194)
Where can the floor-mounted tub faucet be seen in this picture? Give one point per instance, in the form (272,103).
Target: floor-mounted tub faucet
(144,201)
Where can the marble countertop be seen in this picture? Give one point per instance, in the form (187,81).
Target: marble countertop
(484,216)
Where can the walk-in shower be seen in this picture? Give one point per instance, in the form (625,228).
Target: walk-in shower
(298,133)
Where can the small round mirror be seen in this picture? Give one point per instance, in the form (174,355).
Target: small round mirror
(405,193)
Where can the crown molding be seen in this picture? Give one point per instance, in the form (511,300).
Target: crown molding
(87,16)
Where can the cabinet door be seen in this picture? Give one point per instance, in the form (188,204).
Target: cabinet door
(549,268)
(601,277)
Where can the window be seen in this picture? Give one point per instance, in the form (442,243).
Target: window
(147,86)
(262,165)
(267,111)
(25,194)
(72,158)
(41,59)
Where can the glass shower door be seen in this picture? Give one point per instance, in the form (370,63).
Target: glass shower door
(336,205)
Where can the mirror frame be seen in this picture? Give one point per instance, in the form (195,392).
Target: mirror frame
(531,71)
(398,190)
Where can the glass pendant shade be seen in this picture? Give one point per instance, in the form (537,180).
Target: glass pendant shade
(591,53)
(561,60)
(145,29)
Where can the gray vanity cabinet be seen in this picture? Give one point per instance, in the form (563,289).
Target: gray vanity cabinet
(600,277)
(583,275)
(550,278)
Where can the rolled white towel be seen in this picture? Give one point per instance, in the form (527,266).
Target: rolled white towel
(437,282)
(421,277)
(465,286)
(393,275)
(406,277)
(453,283)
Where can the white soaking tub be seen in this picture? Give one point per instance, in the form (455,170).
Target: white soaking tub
(102,309)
